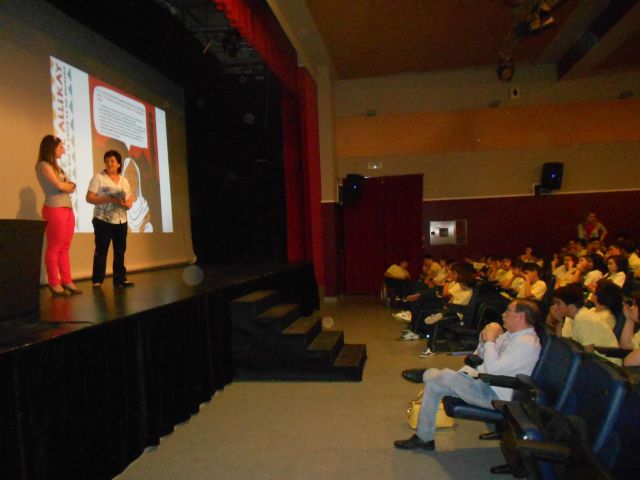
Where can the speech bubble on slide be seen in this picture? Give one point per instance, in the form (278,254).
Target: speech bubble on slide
(120,117)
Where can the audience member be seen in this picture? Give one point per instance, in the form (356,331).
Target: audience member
(504,353)
(589,327)
(587,273)
(456,291)
(397,277)
(630,338)
(617,266)
(590,227)
(565,273)
(532,287)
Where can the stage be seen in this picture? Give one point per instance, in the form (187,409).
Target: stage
(91,380)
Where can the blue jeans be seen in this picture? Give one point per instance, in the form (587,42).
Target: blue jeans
(441,383)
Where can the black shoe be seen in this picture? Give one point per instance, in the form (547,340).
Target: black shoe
(125,284)
(414,374)
(415,443)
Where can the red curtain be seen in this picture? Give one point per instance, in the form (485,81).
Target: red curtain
(258,25)
(384,225)
(310,150)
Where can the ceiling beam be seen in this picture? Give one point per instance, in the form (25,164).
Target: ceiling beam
(618,22)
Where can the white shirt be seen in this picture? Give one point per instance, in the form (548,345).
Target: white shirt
(538,290)
(634,264)
(592,277)
(510,354)
(618,278)
(102,185)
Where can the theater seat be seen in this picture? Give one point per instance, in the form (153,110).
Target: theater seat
(530,441)
(550,384)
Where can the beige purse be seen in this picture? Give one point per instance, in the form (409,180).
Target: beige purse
(413,410)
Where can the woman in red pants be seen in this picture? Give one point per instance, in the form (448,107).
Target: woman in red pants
(59,215)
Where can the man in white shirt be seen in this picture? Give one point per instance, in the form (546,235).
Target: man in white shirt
(509,353)
(532,288)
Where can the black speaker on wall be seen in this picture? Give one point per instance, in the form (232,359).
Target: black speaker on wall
(551,176)
(352,188)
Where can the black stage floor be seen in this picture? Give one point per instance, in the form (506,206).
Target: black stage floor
(153,289)
(89,381)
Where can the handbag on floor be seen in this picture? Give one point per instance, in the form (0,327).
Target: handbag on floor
(413,410)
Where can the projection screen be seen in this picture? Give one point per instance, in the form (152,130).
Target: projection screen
(57,77)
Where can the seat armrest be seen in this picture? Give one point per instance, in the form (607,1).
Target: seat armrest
(613,352)
(546,451)
(500,380)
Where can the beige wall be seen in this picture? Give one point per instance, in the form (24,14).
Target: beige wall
(442,127)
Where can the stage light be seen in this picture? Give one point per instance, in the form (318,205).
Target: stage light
(505,71)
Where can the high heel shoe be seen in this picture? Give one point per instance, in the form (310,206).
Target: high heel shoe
(72,290)
(58,293)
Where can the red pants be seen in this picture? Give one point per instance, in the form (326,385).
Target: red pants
(60,225)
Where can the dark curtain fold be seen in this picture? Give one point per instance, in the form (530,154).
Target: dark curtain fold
(379,228)
(310,149)
(258,25)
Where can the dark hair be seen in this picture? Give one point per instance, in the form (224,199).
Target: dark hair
(610,295)
(47,152)
(465,276)
(531,310)
(572,294)
(621,263)
(572,256)
(627,245)
(427,256)
(582,241)
(531,267)
(116,155)
(598,262)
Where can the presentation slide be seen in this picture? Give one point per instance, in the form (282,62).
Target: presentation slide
(91,117)
(59,77)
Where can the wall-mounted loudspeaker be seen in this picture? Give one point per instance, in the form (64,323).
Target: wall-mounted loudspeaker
(352,188)
(551,176)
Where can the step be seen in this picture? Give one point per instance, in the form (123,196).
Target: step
(348,367)
(278,317)
(303,331)
(349,364)
(325,346)
(249,306)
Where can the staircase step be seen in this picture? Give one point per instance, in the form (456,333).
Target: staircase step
(303,330)
(279,317)
(249,306)
(326,345)
(351,355)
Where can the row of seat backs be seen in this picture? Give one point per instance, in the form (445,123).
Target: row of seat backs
(596,398)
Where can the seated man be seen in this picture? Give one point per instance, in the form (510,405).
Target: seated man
(504,353)
(533,287)
(397,277)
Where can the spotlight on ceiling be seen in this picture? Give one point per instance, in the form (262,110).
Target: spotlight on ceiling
(538,20)
(505,71)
